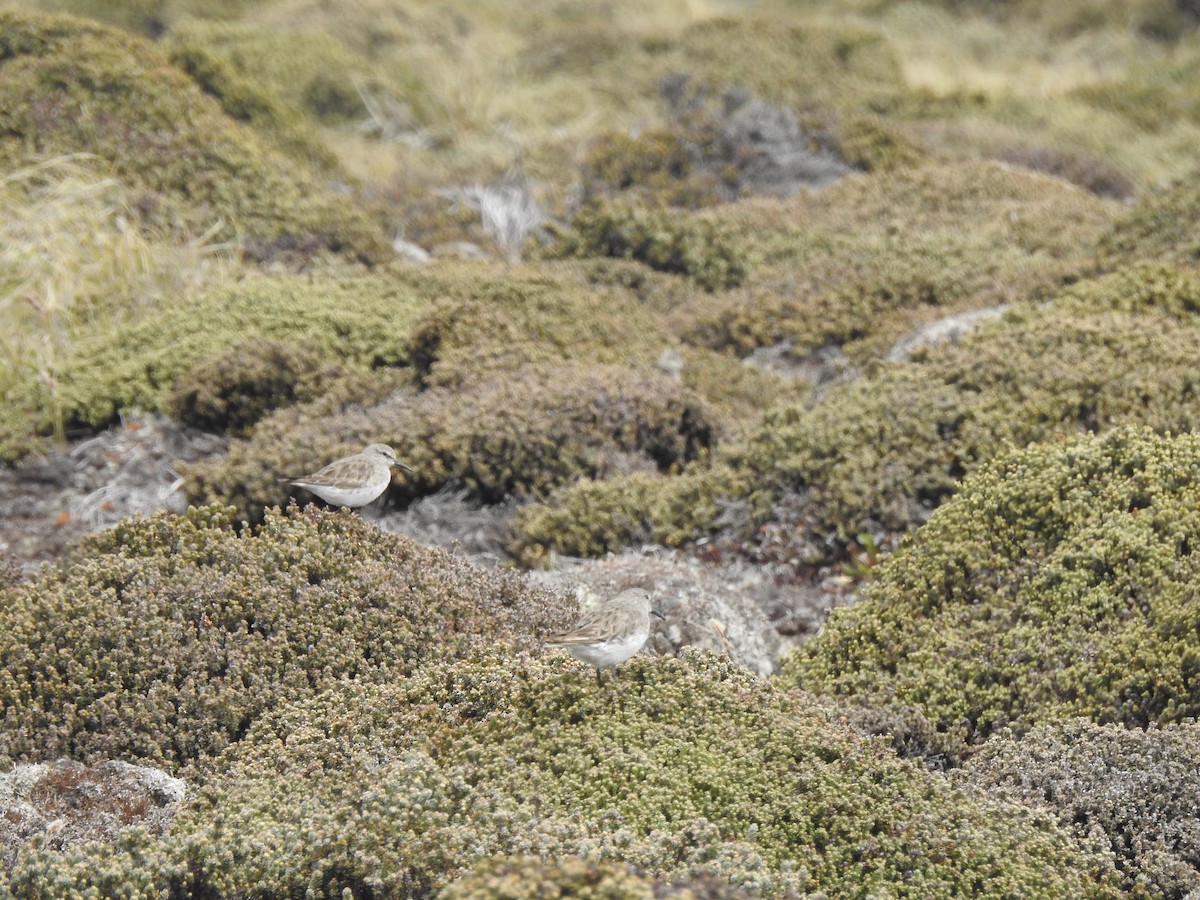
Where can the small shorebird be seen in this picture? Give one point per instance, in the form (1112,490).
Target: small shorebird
(611,632)
(353,481)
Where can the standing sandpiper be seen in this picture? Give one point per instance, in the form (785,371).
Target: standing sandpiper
(611,632)
(353,481)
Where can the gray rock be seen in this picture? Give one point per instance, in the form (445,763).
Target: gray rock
(69,803)
(410,252)
(951,328)
(460,250)
(732,607)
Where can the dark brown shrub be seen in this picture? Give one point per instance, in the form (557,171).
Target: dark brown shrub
(231,390)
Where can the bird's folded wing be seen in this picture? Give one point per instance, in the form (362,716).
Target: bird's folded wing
(340,472)
(579,636)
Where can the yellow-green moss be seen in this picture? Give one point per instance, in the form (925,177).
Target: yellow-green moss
(488,322)
(685,768)
(361,322)
(866,295)
(246,101)
(889,447)
(166,637)
(1058,582)
(1162,226)
(591,518)
(737,393)
(666,241)
(656,166)
(1162,288)
(869,142)
(73,87)
(862,262)
(1014,208)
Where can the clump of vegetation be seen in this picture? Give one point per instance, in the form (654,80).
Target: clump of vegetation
(518,436)
(72,87)
(1135,787)
(1009,207)
(1057,583)
(532,878)
(247,101)
(168,636)
(231,390)
(1159,227)
(360,322)
(883,451)
(480,325)
(737,394)
(687,769)
(861,263)
(1162,288)
(658,167)
(863,297)
(697,248)
(591,518)
(867,142)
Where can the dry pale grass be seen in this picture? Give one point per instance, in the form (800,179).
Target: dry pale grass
(73,255)
(1029,72)
(482,79)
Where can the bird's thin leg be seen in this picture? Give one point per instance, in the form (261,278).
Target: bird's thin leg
(599,679)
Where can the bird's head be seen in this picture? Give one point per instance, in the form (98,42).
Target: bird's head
(387,454)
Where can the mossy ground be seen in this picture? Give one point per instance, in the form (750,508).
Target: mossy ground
(121,363)
(72,87)
(190,208)
(508,755)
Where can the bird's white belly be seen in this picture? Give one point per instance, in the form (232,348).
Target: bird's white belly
(341,496)
(609,653)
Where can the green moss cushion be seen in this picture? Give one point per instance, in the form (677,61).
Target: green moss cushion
(884,450)
(1059,582)
(166,637)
